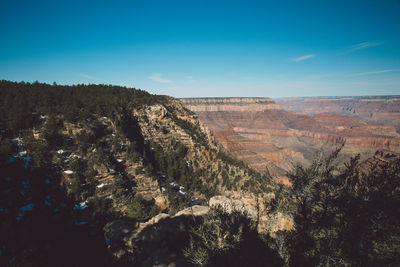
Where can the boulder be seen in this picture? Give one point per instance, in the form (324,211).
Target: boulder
(159,241)
(195,210)
(157,112)
(230,205)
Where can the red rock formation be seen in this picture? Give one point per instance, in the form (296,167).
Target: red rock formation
(259,132)
(380,159)
(379,110)
(285,181)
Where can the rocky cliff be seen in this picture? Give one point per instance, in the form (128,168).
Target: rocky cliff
(239,104)
(271,139)
(162,239)
(374,110)
(79,157)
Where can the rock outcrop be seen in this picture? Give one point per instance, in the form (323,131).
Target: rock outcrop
(160,240)
(230,205)
(380,160)
(156,242)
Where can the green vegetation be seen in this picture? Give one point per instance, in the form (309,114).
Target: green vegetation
(192,130)
(141,210)
(346,219)
(257,183)
(39,225)
(21,104)
(229,239)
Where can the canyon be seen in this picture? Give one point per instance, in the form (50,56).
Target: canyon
(374,110)
(138,180)
(273,137)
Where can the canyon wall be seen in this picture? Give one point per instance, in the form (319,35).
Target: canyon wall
(270,139)
(374,110)
(240,104)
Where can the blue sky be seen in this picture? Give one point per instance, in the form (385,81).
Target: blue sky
(206,48)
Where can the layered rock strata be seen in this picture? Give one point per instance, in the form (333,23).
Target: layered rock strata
(267,138)
(374,110)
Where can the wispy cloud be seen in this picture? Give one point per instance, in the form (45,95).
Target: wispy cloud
(305,57)
(365,45)
(371,72)
(157,78)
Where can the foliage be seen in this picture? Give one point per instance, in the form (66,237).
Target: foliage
(141,210)
(228,239)
(21,104)
(38,223)
(256,183)
(345,219)
(192,130)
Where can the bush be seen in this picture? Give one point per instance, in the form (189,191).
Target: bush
(136,210)
(346,219)
(228,239)
(141,210)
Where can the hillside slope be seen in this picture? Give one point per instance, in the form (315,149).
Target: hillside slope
(93,154)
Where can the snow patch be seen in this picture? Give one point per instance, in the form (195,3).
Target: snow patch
(18,140)
(181,192)
(101,185)
(81,206)
(68,172)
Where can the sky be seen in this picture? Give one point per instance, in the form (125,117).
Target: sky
(203,48)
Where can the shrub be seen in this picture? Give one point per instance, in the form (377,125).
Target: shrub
(141,210)
(228,239)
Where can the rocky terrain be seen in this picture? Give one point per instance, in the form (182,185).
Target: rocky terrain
(126,161)
(160,239)
(374,110)
(269,138)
